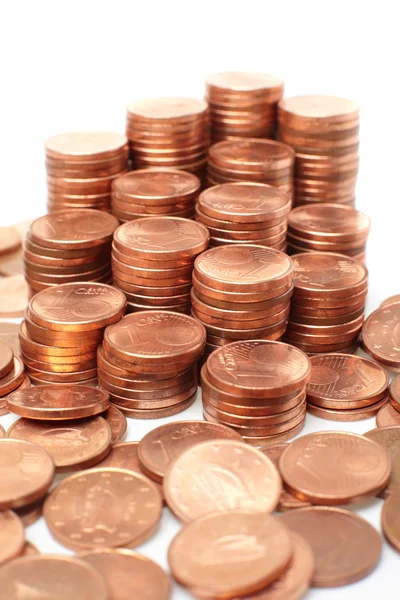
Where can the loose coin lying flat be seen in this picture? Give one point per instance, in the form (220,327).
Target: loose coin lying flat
(389,438)
(12,537)
(388,416)
(390,520)
(381,335)
(117,422)
(13,296)
(6,359)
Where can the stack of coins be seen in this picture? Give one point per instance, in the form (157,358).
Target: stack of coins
(67,246)
(258,388)
(12,375)
(81,166)
(148,363)
(167,192)
(328,303)
(242,292)
(239,213)
(324,132)
(255,160)
(330,228)
(243,105)
(62,328)
(152,261)
(169,132)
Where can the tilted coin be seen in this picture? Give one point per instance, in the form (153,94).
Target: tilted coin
(12,537)
(389,438)
(390,520)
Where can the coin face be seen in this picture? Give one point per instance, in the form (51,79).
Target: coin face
(390,520)
(322,273)
(381,335)
(129,575)
(320,107)
(233,553)
(219,476)
(167,108)
(345,546)
(13,296)
(391,300)
(389,438)
(388,416)
(12,537)
(333,467)
(103,508)
(61,577)
(328,222)
(156,184)
(91,145)
(244,82)
(9,336)
(252,154)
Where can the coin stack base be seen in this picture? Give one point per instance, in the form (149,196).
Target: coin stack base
(12,375)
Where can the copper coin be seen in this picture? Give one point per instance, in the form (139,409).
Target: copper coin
(154,274)
(113,507)
(162,445)
(394,391)
(128,574)
(54,377)
(10,239)
(156,186)
(347,414)
(12,536)
(392,300)
(270,332)
(300,312)
(262,542)
(51,402)
(199,469)
(6,359)
(328,222)
(14,378)
(13,296)
(117,423)
(156,413)
(345,546)
(388,438)
(388,416)
(140,399)
(26,383)
(270,440)
(170,110)
(380,335)
(390,520)
(232,315)
(327,302)
(53,367)
(50,576)
(252,155)
(9,336)
(76,444)
(42,351)
(354,247)
(150,262)
(249,420)
(332,468)
(324,113)
(323,329)
(213,323)
(297,321)
(85,145)
(63,339)
(30,513)
(228,299)
(277,224)
(77,307)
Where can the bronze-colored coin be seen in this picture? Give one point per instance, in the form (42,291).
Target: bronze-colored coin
(141,399)
(277,224)
(392,300)
(54,576)
(10,239)
(151,263)
(394,392)
(169,110)
(156,186)
(128,574)
(328,222)
(188,499)
(9,336)
(45,352)
(145,282)
(62,339)
(380,335)
(252,155)
(332,468)
(6,359)
(328,302)
(154,274)
(231,300)
(44,279)
(250,421)
(12,263)
(53,367)
(271,440)
(345,546)
(243,85)
(311,349)
(270,332)
(348,414)
(53,403)
(300,330)
(356,246)
(298,321)
(117,423)
(14,378)
(61,377)
(84,146)
(11,535)
(155,413)
(26,383)
(30,513)
(13,296)
(300,312)
(123,509)
(268,551)
(213,323)
(388,438)
(162,445)
(390,520)
(322,113)
(388,416)
(125,370)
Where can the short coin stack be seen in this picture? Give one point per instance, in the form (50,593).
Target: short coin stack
(324,132)
(242,213)
(242,292)
(328,303)
(81,166)
(243,105)
(169,132)
(258,388)
(255,160)
(148,363)
(12,375)
(328,228)
(147,192)
(62,328)
(68,246)
(152,261)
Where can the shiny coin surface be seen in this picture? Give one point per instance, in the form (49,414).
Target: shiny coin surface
(388,416)
(12,537)
(117,423)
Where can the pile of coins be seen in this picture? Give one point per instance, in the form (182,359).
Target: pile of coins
(324,132)
(242,213)
(243,105)
(328,303)
(328,228)
(149,192)
(152,261)
(254,160)
(169,132)
(62,329)
(242,292)
(258,388)
(148,363)
(343,387)
(81,166)
(12,375)
(68,246)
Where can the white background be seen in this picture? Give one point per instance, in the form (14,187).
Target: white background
(76,65)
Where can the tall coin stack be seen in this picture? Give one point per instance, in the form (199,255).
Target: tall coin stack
(148,363)
(146,192)
(242,292)
(62,329)
(12,375)
(258,388)
(81,166)
(324,132)
(243,105)
(328,303)
(242,213)
(169,132)
(152,261)
(258,161)
(68,246)
(328,228)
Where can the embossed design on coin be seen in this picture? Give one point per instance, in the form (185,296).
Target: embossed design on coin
(328,273)
(12,537)
(381,335)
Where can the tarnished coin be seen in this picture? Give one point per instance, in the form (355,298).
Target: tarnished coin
(117,423)
(51,576)
(110,508)
(389,438)
(224,555)
(390,520)
(129,575)
(6,359)
(334,467)
(388,416)
(13,296)
(221,475)
(345,546)
(12,536)
(381,335)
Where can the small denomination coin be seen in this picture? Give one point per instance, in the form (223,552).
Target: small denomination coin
(10,239)
(6,359)
(30,513)
(12,537)
(117,422)
(388,416)
(389,438)
(381,335)
(390,520)
(14,296)
(9,334)
(334,467)
(218,476)
(392,300)
(394,392)
(345,546)
(111,508)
